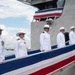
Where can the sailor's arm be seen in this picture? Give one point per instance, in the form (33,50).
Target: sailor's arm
(16,48)
(42,41)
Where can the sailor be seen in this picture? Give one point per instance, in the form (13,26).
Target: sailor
(20,45)
(72,35)
(61,38)
(2,57)
(45,41)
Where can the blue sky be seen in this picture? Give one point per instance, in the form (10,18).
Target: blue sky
(15,22)
(14,17)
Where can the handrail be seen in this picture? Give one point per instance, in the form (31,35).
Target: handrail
(29,52)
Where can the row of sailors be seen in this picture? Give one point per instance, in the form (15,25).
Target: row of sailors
(45,41)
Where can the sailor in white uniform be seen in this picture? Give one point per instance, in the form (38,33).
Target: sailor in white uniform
(2,57)
(20,46)
(72,35)
(61,38)
(45,41)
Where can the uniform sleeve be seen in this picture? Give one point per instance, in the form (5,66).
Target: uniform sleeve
(59,40)
(3,42)
(2,48)
(42,41)
(72,38)
(16,49)
(26,44)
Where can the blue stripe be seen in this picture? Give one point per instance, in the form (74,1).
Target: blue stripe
(9,57)
(19,63)
(46,10)
(29,52)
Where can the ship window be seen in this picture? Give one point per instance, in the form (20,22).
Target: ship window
(60,3)
(56,4)
(50,4)
(46,5)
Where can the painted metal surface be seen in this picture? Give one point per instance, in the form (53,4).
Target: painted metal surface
(52,12)
(57,58)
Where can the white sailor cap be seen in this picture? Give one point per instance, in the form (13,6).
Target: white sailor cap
(20,32)
(72,27)
(46,26)
(62,28)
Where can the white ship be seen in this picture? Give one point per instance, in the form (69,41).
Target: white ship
(59,61)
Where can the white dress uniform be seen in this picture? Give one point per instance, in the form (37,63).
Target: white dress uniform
(72,38)
(20,48)
(45,41)
(2,57)
(60,40)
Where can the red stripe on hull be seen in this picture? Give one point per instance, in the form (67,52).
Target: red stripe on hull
(47,15)
(54,67)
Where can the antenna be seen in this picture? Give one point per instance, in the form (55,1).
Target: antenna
(49,21)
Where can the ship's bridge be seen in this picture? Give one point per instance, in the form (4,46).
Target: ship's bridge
(48,9)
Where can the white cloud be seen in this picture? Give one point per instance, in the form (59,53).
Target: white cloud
(14,8)
(10,37)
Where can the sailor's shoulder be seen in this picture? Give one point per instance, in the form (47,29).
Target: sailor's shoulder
(71,32)
(18,39)
(60,33)
(43,32)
